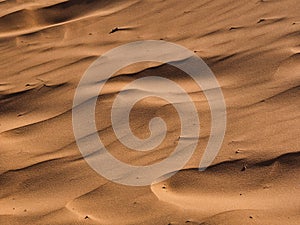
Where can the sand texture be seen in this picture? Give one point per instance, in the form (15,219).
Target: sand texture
(253,48)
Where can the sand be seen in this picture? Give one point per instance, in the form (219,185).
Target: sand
(253,48)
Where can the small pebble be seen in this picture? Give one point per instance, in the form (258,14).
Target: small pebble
(244,168)
(114,30)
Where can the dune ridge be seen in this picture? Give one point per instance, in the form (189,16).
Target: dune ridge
(253,48)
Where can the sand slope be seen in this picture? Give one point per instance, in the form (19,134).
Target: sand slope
(253,47)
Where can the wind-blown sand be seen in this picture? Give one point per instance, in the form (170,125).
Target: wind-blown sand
(253,48)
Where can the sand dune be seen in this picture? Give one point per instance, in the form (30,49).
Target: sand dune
(253,48)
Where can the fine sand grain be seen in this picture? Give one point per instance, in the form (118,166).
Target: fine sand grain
(253,48)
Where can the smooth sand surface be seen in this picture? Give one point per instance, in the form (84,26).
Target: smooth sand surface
(253,48)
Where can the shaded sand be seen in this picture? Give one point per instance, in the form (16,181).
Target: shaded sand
(253,47)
